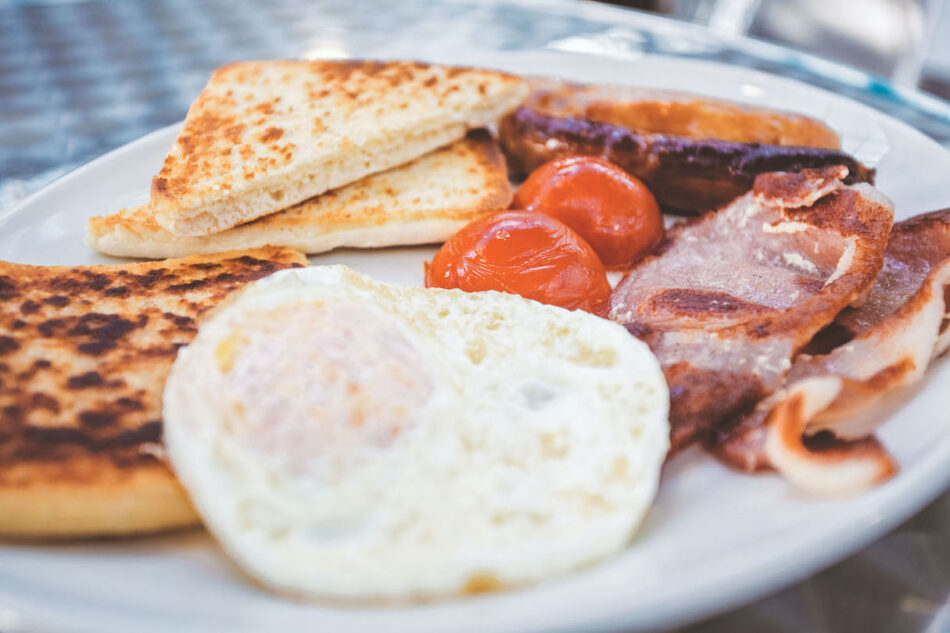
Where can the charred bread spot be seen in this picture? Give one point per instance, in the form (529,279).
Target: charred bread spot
(95,281)
(57,301)
(27,374)
(41,439)
(130,404)
(98,419)
(149,432)
(82,381)
(185,323)
(162,350)
(13,413)
(8,344)
(105,327)
(247,260)
(18,324)
(49,327)
(30,307)
(194,284)
(66,284)
(95,348)
(204,266)
(8,289)
(118,291)
(149,279)
(44,401)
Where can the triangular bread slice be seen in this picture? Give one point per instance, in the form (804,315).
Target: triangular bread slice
(422,202)
(84,352)
(265,135)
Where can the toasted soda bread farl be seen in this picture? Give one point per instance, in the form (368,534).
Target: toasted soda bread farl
(84,352)
(422,202)
(265,135)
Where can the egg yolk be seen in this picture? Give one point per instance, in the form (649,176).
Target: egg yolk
(529,254)
(320,381)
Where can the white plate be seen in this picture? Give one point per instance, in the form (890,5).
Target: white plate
(714,539)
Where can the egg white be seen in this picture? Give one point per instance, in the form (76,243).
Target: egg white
(344,438)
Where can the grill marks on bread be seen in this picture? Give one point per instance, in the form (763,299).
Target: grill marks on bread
(84,350)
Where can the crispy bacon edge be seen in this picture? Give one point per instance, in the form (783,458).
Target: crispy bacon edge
(705,399)
(817,431)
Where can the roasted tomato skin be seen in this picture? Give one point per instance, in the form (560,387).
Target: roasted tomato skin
(613,211)
(529,254)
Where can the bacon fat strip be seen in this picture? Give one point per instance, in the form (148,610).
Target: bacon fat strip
(869,353)
(685,174)
(730,298)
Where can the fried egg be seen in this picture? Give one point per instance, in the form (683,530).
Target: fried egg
(347,439)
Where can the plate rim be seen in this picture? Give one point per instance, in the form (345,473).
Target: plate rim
(908,492)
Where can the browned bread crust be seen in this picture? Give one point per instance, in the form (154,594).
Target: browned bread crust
(84,352)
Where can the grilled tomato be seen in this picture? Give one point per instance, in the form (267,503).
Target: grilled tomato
(613,211)
(534,255)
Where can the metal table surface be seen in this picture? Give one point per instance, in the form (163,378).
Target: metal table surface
(79,78)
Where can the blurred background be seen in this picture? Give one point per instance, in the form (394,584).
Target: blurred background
(81,77)
(905,40)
